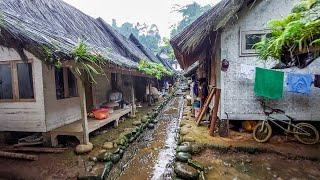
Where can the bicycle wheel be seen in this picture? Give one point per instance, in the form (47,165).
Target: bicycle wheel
(262,134)
(306,133)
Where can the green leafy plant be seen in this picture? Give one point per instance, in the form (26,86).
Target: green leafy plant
(89,62)
(153,69)
(297,32)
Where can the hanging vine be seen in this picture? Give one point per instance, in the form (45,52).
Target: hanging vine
(88,62)
(153,69)
(85,63)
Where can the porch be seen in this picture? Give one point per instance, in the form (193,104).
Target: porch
(76,129)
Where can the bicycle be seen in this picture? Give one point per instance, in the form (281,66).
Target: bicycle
(303,132)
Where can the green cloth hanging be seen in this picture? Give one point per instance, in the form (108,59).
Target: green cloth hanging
(269,83)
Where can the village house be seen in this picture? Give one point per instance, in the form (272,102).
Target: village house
(156,59)
(226,35)
(37,97)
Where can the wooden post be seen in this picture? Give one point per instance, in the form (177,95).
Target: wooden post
(83,108)
(133,112)
(205,107)
(149,99)
(215,112)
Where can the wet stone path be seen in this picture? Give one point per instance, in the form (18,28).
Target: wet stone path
(152,155)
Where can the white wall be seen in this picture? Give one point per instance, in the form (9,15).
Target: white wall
(24,116)
(58,112)
(237,94)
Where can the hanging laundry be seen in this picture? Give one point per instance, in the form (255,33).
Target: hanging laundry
(299,83)
(269,83)
(317,80)
(247,71)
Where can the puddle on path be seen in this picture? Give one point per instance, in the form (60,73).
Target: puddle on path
(152,155)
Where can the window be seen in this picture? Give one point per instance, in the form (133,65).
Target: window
(16,81)
(72,84)
(25,81)
(114,81)
(66,83)
(249,38)
(59,83)
(5,82)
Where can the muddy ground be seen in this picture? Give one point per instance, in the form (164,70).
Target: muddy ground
(238,156)
(66,165)
(239,165)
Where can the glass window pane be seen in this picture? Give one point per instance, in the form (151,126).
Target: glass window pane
(72,84)
(252,39)
(59,83)
(25,81)
(5,82)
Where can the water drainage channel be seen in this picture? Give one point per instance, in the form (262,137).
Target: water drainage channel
(152,155)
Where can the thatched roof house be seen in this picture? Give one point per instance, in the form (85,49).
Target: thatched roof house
(227,34)
(165,63)
(150,55)
(128,48)
(39,98)
(31,25)
(192,43)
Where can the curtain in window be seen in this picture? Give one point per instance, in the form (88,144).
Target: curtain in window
(5,82)
(25,80)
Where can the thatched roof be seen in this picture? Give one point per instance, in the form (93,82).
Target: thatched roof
(195,38)
(148,52)
(33,24)
(129,49)
(191,69)
(166,63)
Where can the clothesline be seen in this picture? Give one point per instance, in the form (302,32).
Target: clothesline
(270,83)
(248,72)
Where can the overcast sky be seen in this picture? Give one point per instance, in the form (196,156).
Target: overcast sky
(158,12)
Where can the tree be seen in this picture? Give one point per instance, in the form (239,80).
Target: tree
(189,13)
(167,48)
(147,35)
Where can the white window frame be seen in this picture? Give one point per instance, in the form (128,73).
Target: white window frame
(251,52)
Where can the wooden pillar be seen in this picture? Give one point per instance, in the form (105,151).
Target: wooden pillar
(133,112)
(149,98)
(215,112)
(83,108)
